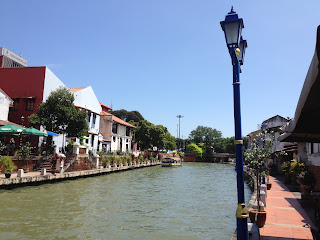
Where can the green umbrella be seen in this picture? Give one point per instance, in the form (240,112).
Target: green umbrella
(33,131)
(10,129)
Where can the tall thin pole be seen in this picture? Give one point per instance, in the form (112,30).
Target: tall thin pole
(179,116)
(242,227)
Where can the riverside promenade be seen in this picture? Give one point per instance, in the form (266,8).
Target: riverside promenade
(286,219)
(36,177)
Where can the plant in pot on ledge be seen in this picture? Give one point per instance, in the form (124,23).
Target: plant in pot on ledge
(7,166)
(256,158)
(307,182)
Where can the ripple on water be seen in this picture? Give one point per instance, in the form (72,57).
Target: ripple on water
(196,201)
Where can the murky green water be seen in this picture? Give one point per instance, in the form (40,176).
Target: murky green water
(196,201)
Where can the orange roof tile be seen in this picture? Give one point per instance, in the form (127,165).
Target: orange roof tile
(118,120)
(103,105)
(73,90)
(104,113)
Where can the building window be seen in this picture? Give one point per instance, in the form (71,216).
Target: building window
(127,131)
(15,104)
(92,140)
(29,104)
(114,128)
(114,139)
(93,120)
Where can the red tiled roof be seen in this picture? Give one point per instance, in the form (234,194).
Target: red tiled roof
(104,113)
(85,109)
(118,120)
(103,105)
(73,90)
(93,133)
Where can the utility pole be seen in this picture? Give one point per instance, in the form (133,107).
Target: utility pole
(179,116)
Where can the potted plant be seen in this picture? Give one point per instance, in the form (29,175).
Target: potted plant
(256,158)
(7,166)
(286,170)
(295,169)
(307,182)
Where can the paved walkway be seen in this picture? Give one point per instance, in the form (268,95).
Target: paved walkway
(286,219)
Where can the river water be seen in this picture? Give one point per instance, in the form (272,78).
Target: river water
(196,201)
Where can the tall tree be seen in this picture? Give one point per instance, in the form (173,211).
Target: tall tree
(204,135)
(59,114)
(128,115)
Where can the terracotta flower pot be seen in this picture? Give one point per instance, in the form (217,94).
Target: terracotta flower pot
(269,186)
(261,218)
(306,189)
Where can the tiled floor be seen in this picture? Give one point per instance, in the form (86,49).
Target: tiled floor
(286,219)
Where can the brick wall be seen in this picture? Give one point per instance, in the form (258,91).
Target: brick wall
(188,159)
(81,164)
(26,165)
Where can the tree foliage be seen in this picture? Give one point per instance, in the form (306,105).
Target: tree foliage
(127,116)
(204,135)
(149,135)
(59,114)
(195,149)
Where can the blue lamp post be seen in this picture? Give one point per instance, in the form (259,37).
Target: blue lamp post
(232,27)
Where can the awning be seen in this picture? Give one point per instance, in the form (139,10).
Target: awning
(305,127)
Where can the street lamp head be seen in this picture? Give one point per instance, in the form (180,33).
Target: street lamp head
(243,45)
(232,27)
(22,119)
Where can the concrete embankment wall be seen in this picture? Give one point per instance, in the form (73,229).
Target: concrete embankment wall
(50,178)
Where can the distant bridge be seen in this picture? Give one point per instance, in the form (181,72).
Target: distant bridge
(217,157)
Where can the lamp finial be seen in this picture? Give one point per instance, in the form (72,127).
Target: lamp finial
(232,10)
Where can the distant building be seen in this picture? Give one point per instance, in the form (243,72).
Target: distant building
(117,134)
(5,103)
(9,59)
(28,87)
(85,98)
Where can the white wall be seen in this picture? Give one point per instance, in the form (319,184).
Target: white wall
(5,103)
(313,157)
(121,134)
(87,99)
(51,83)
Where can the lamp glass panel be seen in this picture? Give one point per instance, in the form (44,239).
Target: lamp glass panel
(242,51)
(232,33)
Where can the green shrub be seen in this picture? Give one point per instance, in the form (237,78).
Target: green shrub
(69,146)
(197,151)
(118,160)
(106,161)
(25,151)
(181,154)
(7,166)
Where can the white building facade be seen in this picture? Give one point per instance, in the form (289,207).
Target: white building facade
(85,98)
(5,103)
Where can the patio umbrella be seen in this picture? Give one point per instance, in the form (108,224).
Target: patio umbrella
(52,133)
(11,129)
(33,131)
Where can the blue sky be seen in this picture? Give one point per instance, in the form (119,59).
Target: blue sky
(169,57)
